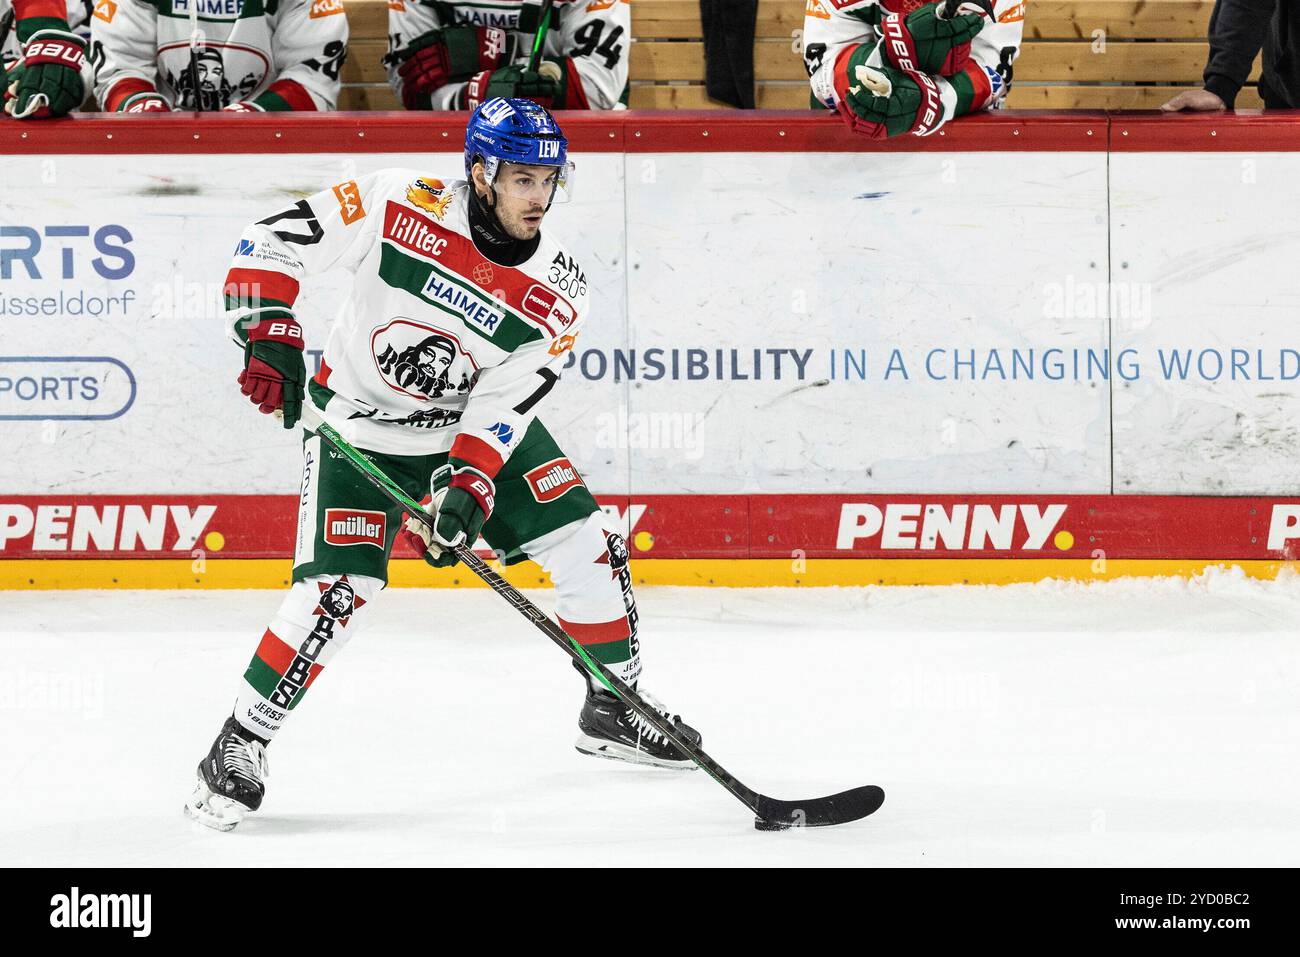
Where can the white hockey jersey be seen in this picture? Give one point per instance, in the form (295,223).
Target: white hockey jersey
(833,28)
(436,342)
(282,54)
(592,38)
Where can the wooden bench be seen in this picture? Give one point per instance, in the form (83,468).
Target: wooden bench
(1077,54)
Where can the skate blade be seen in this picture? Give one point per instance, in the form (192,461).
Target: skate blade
(615,751)
(213,810)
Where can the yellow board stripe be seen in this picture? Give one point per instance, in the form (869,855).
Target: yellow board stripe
(46,574)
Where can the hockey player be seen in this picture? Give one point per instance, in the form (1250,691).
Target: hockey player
(455,56)
(893,67)
(159,55)
(46,73)
(461,315)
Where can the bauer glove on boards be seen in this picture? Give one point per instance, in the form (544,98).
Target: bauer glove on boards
(46,82)
(460,501)
(273,378)
(933,39)
(881,102)
(544,86)
(448,55)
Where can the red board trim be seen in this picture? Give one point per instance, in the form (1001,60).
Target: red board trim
(636,131)
(653,131)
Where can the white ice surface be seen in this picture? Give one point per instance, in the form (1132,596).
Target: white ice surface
(1123,723)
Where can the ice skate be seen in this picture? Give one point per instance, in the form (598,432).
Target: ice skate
(610,729)
(230,779)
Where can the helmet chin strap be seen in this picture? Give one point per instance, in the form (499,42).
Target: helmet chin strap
(492,222)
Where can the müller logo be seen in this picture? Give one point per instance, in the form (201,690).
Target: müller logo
(552,479)
(76,909)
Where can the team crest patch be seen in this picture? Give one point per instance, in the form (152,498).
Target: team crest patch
(552,479)
(349,526)
(421,361)
(428,195)
(338,601)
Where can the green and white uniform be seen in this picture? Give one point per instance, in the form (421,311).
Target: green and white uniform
(438,353)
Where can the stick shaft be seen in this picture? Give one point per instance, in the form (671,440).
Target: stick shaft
(539,38)
(539,618)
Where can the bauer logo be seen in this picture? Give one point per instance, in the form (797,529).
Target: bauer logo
(918,526)
(76,909)
(346,526)
(549,481)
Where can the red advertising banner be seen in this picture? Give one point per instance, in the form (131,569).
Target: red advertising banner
(713,526)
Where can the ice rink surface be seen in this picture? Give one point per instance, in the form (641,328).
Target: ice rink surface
(1133,722)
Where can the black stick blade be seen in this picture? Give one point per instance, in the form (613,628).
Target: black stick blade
(774,815)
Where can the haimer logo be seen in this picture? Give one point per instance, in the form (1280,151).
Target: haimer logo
(75,909)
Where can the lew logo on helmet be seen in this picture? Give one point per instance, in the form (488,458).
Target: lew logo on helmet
(552,479)
(421,361)
(497,110)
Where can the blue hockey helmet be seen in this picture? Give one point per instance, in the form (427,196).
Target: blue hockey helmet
(516,131)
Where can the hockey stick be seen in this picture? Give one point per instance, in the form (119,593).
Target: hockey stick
(539,38)
(769,813)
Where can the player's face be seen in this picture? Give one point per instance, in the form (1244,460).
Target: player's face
(522,195)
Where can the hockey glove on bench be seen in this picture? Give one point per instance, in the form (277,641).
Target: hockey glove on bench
(47,81)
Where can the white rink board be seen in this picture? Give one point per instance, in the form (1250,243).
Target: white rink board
(189,429)
(837,263)
(1216,238)
(912,251)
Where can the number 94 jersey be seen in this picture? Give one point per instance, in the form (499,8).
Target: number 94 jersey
(436,342)
(589,38)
